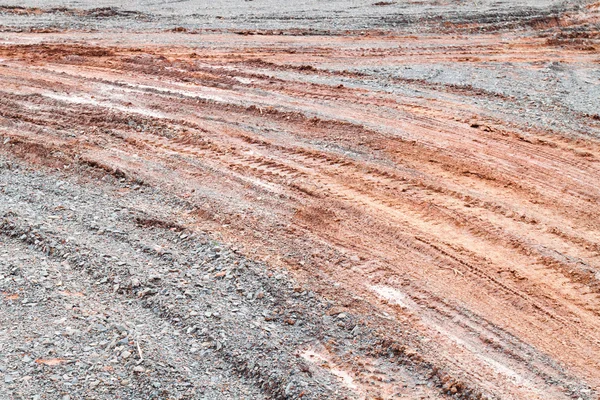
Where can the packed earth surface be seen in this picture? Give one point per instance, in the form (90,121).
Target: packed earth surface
(307,199)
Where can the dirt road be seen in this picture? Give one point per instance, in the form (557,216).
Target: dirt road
(229,208)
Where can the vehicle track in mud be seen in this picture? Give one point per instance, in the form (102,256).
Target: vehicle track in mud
(451,223)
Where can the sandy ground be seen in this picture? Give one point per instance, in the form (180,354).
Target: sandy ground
(316,200)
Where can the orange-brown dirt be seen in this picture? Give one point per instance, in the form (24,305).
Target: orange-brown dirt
(465,237)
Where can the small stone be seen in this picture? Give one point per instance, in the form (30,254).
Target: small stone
(125,355)
(8,379)
(191,330)
(288,389)
(139,369)
(99,327)
(71,331)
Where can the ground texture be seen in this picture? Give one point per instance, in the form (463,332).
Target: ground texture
(315,200)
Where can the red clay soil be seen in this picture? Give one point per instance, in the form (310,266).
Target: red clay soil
(465,237)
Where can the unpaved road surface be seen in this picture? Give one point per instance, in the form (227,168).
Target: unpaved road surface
(313,200)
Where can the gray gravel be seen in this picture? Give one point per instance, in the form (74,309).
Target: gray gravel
(108,297)
(206,320)
(269,14)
